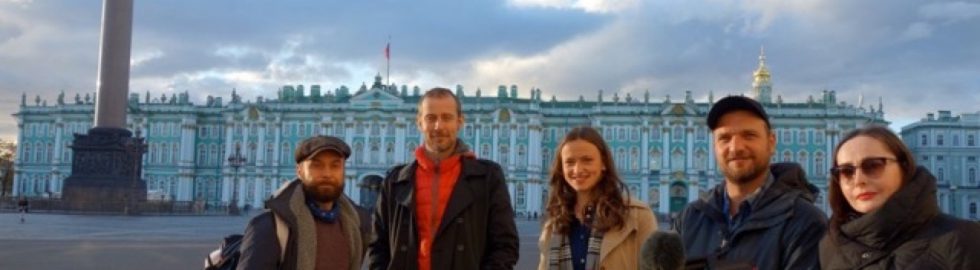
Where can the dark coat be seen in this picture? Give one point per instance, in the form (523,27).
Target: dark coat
(260,244)
(782,230)
(907,232)
(477,230)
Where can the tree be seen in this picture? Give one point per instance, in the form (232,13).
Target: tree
(8,153)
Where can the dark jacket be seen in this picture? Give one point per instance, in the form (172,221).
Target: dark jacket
(260,245)
(907,232)
(477,229)
(781,231)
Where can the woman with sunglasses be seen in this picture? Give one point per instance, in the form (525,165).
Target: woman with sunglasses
(590,225)
(885,214)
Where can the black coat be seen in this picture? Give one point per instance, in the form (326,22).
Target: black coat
(477,229)
(260,244)
(782,230)
(907,232)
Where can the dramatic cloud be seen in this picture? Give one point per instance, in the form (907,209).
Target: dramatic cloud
(916,56)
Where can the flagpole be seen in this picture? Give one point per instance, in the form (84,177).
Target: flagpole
(388,60)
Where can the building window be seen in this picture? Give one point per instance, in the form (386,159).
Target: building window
(522,132)
(925,158)
(941,175)
(521,152)
(545,158)
(678,133)
(956,140)
(818,163)
(358,149)
(635,159)
(485,151)
(801,137)
(521,195)
(787,156)
(787,137)
(924,140)
(504,154)
(970,140)
(269,151)
(818,137)
(972,176)
(655,133)
(973,210)
(702,134)
(939,140)
(468,131)
(176,153)
(655,159)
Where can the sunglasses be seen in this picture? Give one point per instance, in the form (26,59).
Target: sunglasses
(872,167)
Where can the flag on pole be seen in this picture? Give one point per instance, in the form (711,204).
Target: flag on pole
(388,51)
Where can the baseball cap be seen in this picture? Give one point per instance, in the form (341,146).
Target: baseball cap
(735,103)
(314,145)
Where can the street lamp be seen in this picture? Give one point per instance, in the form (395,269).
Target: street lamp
(235,160)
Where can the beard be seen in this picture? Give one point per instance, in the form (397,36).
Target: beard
(440,142)
(745,174)
(324,191)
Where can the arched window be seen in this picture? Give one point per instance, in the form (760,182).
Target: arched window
(202,151)
(269,152)
(521,156)
(214,158)
(818,163)
(635,159)
(26,154)
(252,153)
(358,149)
(176,156)
(504,154)
(972,176)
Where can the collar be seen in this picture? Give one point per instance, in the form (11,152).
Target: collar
(750,201)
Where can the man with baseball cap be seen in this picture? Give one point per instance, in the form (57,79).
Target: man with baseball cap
(762,216)
(309,223)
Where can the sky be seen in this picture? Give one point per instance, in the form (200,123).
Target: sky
(917,56)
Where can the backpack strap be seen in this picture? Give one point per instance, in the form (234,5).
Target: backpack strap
(282,233)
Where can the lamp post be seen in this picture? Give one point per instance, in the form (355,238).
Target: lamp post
(235,160)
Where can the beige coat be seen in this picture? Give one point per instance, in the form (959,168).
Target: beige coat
(620,248)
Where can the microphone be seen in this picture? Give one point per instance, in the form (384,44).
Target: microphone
(662,251)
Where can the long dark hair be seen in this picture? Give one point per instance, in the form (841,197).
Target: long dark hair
(838,203)
(610,206)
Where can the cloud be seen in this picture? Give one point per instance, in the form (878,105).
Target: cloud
(950,12)
(915,55)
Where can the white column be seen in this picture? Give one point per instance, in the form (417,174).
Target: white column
(261,149)
(277,148)
(383,147)
(665,150)
(58,145)
(257,193)
(645,162)
(664,196)
(400,133)
(188,141)
(229,142)
(689,153)
(476,132)
(495,151)
(117,30)
(534,150)
(512,149)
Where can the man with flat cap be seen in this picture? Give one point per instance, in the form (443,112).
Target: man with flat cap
(309,223)
(762,216)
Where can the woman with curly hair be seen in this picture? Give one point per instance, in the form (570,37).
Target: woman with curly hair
(590,223)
